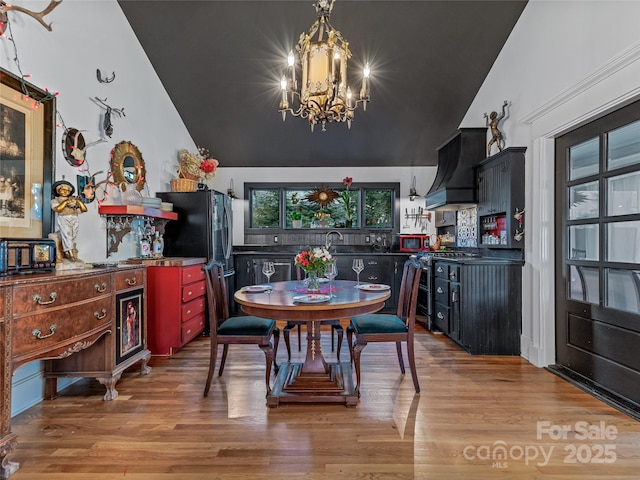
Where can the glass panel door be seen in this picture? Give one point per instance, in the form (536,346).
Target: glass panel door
(598,252)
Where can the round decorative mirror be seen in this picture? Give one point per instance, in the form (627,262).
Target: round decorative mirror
(127,165)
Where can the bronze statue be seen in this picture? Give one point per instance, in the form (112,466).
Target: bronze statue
(68,207)
(496,135)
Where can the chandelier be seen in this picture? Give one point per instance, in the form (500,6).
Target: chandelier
(324,95)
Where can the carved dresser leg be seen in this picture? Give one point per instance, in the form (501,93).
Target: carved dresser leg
(145,369)
(110,383)
(8,468)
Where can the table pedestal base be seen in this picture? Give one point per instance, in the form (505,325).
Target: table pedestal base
(293,385)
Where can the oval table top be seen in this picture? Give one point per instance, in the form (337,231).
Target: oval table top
(347,300)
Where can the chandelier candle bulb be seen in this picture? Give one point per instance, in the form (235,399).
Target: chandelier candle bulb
(291,60)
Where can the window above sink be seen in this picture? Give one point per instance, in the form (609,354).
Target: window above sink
(288,206)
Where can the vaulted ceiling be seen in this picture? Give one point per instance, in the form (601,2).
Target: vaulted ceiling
(220,62)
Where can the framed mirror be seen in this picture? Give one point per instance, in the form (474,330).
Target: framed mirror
(127,165)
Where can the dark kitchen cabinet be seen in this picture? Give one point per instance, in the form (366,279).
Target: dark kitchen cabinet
(478,304)
(500,197)
(385,269)
(248,271)
(447,296)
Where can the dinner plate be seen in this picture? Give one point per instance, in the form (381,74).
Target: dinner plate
(373,287)
(256,288)
(311,298)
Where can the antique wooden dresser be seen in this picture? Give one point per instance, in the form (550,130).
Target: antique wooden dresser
(83,323)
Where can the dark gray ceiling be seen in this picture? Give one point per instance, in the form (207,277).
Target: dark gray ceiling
(220,62)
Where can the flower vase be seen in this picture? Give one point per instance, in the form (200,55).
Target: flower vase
(313,282)
(348,223)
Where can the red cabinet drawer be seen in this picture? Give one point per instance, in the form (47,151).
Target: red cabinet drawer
(195,290)
(192,308)
(192,274)
(192,329)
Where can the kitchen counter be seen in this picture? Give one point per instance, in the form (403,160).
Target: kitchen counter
(295,249)
(167,261)
(481,261)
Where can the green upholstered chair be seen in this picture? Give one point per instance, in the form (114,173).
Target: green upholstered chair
(380,327)
(235,330)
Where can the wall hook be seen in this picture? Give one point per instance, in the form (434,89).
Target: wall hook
(106,79)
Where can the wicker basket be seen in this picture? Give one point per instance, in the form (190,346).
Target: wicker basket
(183,185)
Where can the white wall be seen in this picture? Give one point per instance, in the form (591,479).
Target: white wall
(89,35)
(565,63)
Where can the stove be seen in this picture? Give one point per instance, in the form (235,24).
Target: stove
(428,257)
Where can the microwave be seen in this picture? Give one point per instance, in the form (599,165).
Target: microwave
(414,243)
(27,255)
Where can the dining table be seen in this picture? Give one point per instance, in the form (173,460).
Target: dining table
(315,380)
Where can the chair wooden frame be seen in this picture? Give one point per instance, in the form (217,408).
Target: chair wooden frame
(406,313)
(218,311)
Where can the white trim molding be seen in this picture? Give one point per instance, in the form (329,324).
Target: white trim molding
(616,64)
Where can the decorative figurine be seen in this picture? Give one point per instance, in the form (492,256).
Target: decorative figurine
(68,207)
(496,135)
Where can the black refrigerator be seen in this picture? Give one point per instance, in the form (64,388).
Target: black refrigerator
(203,228)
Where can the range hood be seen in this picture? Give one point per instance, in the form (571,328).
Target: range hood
(455,184)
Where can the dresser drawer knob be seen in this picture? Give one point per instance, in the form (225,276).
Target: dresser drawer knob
(440,315)
(439,290)
(100,316)
(131,282)
(52,296)
(101,288)
(38,334)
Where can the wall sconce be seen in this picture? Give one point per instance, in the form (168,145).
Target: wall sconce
(230,190)
(412,191)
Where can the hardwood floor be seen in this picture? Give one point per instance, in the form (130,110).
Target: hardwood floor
(161,427)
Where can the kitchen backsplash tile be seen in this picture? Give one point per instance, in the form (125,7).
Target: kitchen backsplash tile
(467,227)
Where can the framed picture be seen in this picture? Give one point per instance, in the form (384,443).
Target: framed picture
(27,136)
(129,324)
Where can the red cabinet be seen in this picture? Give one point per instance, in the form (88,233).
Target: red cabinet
(176,303)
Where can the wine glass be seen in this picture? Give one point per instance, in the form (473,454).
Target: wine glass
(268,269)
(358,266)
(331,272)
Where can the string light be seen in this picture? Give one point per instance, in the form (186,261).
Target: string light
(28,94)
